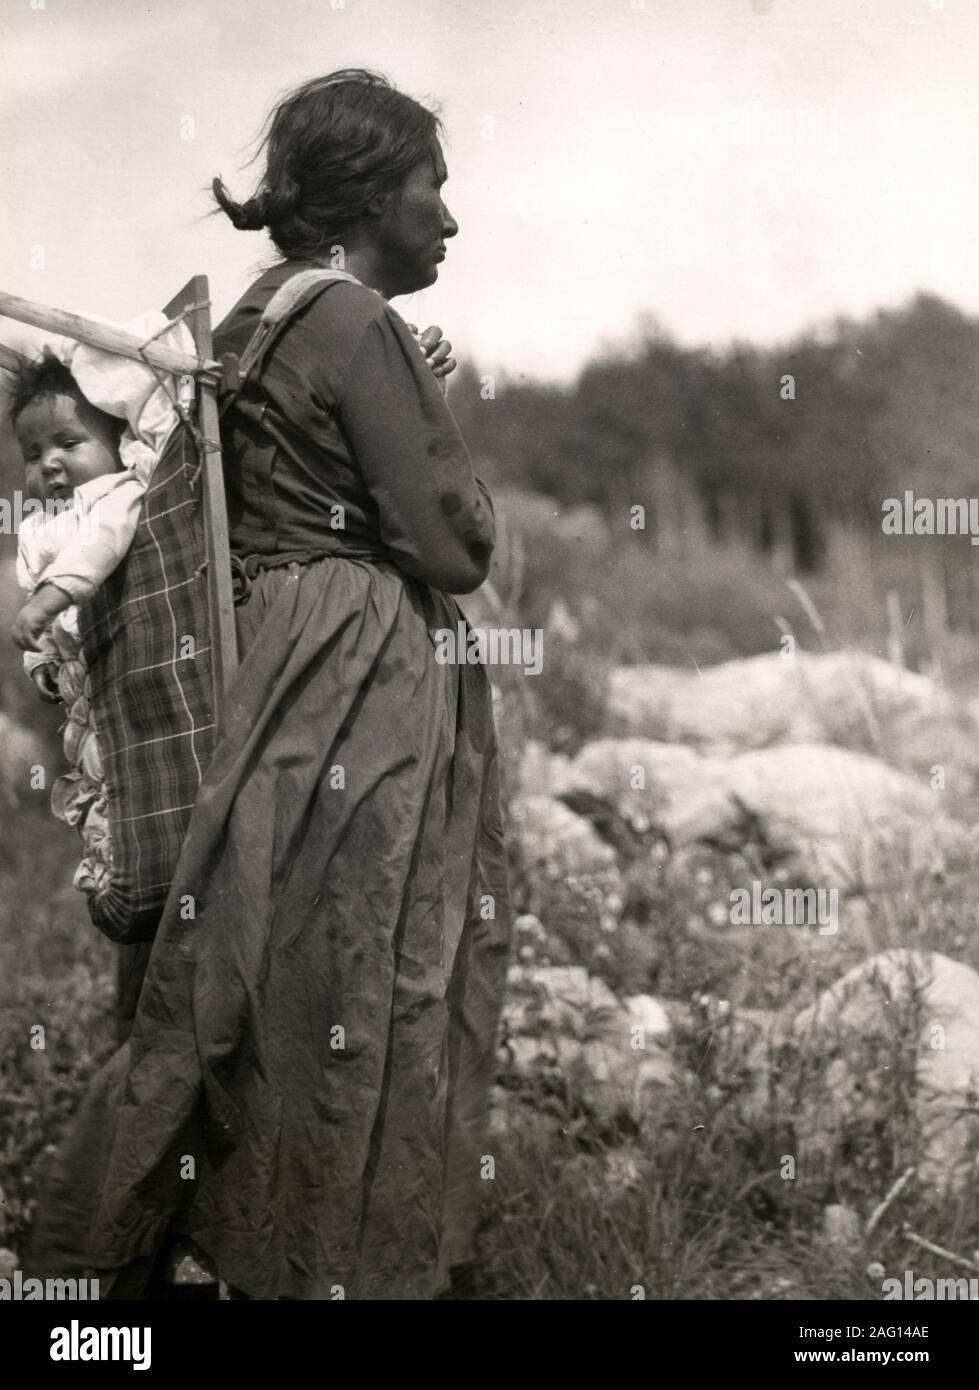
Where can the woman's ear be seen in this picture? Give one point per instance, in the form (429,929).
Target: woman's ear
(380,203)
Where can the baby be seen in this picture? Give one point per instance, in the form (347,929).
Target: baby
(71,456)
(91,427)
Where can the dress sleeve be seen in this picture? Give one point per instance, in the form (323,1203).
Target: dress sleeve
(436,517)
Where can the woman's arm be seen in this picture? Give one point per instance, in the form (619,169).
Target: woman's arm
(436,518)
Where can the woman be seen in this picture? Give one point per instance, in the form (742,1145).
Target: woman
(304,1093)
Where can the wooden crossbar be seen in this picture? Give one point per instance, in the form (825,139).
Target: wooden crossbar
(108,337)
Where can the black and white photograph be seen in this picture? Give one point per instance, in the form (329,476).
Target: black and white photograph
(489,665)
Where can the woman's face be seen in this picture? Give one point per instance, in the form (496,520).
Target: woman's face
(413,229)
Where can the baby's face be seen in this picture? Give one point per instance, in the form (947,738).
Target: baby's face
(65,442)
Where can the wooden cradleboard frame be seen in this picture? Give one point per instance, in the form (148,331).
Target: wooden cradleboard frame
(193,303)
(220,597)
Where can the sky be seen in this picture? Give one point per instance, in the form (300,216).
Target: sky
(727,169)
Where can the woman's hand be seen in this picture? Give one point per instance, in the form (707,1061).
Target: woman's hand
(437,350)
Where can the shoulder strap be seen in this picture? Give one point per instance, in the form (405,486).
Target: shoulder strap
(291,296)
(297,291)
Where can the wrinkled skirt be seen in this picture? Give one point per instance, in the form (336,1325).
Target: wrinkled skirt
(305,1090)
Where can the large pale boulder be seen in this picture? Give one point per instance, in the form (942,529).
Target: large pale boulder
(841,818)
(901,1029)
(846,698)
(832,815)
(641,699)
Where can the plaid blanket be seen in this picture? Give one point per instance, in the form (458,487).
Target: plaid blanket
(145,640)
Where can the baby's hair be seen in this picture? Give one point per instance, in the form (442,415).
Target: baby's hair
(39,377)
(45,376)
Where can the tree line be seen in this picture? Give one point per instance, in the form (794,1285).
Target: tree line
(774,443)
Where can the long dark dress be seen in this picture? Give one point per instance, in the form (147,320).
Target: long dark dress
(305,1090)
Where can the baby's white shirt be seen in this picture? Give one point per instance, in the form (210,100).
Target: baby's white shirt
(79,546)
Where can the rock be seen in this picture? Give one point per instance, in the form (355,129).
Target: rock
(541,772)
(903,1009)
(852,834)
(645,782)
(648,1013)
(571,878)
(642,699)
(842,1228)
(560,1022)
(940,745)
(840,817)
(834,697)
(837,817)
(555,840)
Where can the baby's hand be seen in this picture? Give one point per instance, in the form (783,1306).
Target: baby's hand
(46,679)
(46,603)
(437,350)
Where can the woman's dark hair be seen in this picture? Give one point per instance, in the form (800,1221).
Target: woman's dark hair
(331,146)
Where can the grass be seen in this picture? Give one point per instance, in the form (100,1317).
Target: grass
(57,977)
(696,1203)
